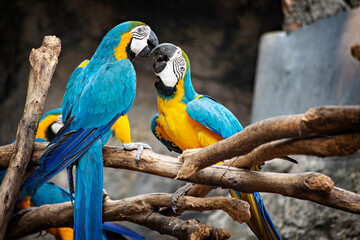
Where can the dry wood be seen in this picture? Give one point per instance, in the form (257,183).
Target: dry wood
(43,62)
(141,210)
(302,185)
(340,145)
(320,121)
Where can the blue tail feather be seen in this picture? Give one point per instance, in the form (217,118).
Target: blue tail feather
(266,229)
(115,228)
(88,194)
(62,153)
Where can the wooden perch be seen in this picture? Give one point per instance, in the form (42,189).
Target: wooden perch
(43,62)
(141,210)
(308,186)
(315,122)
(340,145)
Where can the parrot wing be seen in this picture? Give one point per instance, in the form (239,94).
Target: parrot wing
(74,86)
(109,94)
(211,114)
(161,135)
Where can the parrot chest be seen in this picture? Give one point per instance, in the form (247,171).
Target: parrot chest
(185,132)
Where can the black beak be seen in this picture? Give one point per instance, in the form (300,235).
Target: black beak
(162,54)
(152,42)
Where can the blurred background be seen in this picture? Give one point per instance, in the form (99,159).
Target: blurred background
(258,58)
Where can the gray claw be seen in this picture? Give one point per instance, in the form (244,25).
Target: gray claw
(180,192)
(139,146)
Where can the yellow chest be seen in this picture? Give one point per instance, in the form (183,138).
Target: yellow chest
(185,132)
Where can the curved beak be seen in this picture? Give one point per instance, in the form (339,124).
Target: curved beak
(162,53)
(151,43)
(153,40)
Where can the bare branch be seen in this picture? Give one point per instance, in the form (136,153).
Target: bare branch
(43,62)
(301,185)
(340,145)
(141,210)
(315,122)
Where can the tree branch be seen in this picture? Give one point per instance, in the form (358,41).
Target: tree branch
(141,210)
(315,122)
(301,185)
(43,62)
(340,145)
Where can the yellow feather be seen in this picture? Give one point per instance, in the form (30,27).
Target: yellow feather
(185,132)
(83,64)
(120,49)
(122,129)
(44,124)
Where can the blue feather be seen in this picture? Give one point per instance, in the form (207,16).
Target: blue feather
(213,115)
(115,228)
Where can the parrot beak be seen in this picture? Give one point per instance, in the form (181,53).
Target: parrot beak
(162,53)
(152,42)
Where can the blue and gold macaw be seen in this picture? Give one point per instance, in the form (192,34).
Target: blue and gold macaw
(49,193)
(188,120)
(99,91)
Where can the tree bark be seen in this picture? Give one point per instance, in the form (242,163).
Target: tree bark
(43,62)
(142,210)
(315,187)
(322,121)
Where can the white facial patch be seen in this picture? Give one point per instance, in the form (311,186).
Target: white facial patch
(168,76)
(56,127)
(140,35)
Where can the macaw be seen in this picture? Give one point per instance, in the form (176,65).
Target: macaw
(50,123)
(188,120)
(98,92)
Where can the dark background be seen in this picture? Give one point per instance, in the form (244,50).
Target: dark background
(220,38)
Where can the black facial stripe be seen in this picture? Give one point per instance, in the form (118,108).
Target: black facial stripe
(178,67)
(49,134)
(140,35)
(163,90)
(130,54)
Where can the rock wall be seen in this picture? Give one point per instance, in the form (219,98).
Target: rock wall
(311,67)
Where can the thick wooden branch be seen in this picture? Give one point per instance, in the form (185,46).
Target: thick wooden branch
(302,185)
(43,62)
(141,210)
(315,122)
(340,145)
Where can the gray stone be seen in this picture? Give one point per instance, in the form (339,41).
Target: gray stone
(311,67)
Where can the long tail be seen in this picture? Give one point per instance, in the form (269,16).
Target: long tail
(61,153)
(111,228)
(260,222)
(89,194)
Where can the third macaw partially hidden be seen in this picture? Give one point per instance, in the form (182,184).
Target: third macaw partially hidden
(99,91)
(188,120)
(50,123)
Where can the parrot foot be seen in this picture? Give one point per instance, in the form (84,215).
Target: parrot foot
(139,146)
(21,213)
(180,192)
(71,182)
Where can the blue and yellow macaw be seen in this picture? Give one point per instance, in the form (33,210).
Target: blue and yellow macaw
(188,120)
(99,91)
(49,125)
